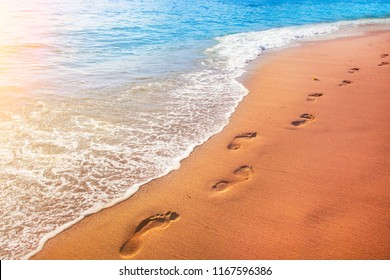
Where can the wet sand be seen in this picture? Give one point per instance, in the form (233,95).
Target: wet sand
(300,172)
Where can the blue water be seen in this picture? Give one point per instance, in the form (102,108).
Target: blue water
(98,97)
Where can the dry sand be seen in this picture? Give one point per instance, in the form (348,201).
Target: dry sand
(301,171)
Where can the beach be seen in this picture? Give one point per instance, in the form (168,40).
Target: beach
(300,172)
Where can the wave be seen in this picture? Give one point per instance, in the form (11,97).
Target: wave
(233,52)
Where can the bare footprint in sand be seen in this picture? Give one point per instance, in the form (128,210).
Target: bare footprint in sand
(383,63)
(345,83)
(236,143)
(306,119)
(159,221)
(353,70)
(384,55)
(244,173)
(314,96)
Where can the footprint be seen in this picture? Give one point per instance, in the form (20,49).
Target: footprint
(353,70)
(314,96)
(235,145)
(384,55)
(306,119)
(159,221)
(345,83)
(383,63)
(241,174)
(221,186)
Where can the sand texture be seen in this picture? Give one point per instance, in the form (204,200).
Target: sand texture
(301,172)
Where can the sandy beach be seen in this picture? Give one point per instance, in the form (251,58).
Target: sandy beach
(300,172)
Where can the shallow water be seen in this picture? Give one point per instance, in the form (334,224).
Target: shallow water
(99,97)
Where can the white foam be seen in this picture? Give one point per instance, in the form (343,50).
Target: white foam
(233,52)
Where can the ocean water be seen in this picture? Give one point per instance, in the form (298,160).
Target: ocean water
(99,97)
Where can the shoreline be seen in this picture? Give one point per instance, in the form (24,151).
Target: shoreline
(207,197)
